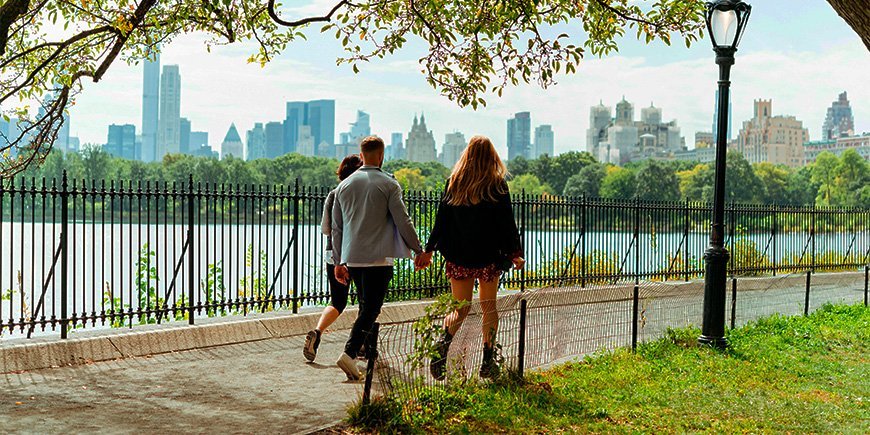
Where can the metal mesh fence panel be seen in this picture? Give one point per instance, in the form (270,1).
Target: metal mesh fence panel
(564,323)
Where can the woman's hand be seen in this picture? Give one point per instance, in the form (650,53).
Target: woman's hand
(519,263)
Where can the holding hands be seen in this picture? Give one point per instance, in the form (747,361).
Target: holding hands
(341,274)
(422,260)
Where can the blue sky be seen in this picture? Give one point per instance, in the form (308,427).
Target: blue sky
(800,54)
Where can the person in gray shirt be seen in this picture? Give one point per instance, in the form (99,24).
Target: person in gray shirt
(370,228)
(337,290)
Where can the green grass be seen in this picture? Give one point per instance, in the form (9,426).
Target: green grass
(781,374)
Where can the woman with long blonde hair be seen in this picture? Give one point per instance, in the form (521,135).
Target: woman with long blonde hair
(476,234)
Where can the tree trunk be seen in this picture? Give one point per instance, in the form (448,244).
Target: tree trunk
(857,15)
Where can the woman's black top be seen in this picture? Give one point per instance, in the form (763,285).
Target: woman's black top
(476,235)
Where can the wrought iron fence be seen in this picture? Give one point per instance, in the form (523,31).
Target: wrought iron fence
(76,254)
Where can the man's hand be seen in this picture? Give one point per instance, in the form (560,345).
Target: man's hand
(519,263)
(341,274)
(422,260)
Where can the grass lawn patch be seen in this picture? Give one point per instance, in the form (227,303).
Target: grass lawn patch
(780,374)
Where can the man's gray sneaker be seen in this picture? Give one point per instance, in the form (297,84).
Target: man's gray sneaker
(348,365)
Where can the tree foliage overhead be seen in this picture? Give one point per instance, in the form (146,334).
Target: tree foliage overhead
(474,47)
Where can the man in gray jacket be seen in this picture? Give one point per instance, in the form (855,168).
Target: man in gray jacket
(370,228)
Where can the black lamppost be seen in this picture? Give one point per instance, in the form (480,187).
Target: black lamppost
(726,20)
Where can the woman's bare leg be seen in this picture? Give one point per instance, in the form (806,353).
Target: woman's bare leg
(462,289)
(327,318)
(488,291)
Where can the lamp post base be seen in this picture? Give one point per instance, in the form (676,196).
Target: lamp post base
(713,328)
(715,342)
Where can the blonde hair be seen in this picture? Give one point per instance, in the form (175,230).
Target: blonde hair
(479,175)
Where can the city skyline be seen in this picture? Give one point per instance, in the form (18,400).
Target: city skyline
(220,88)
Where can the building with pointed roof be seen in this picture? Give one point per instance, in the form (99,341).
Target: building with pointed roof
(232,144)
(622,139)
(420,145)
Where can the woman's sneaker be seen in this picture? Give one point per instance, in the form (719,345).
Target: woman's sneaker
(438,365)
(312,342)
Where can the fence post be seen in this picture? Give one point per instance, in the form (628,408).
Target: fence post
(866,273)
(64,271)
(807,295)
(636,240)
(191,281)
(686,242)
(733,300)
(296,247)
(521,351)
(813,239)
(773,238)
(583,205)
(731,230)
(634,316)
(636,292)
(371,358)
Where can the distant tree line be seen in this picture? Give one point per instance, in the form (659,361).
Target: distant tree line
(842,181)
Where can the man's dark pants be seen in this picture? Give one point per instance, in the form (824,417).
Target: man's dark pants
(371,284)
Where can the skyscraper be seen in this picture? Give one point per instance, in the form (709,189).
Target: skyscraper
(122,141)
(184,136)
(361,128)
(839,121)
(716,118)
(454,144)
(256,140)
(61,142)
(599,119)
(651,114)
(169,124)
(544,141)
(232,144)
(321,119)
(519,131)
(306,145)
(274,139)
(319,115)
(420,146)
(395,150)
(4,132)
(776,139)
(150,107)
(198,139)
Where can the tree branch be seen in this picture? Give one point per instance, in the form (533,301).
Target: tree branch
(9,12)
(304,21)
(606,5)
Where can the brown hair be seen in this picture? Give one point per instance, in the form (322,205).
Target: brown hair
(371,143)
(348,166)
(479,175)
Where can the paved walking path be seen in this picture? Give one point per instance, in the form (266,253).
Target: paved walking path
(266,387)
(257,387)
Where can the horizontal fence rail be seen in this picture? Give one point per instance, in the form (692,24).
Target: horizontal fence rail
(80,254)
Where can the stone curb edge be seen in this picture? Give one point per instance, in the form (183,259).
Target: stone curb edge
(21,355)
